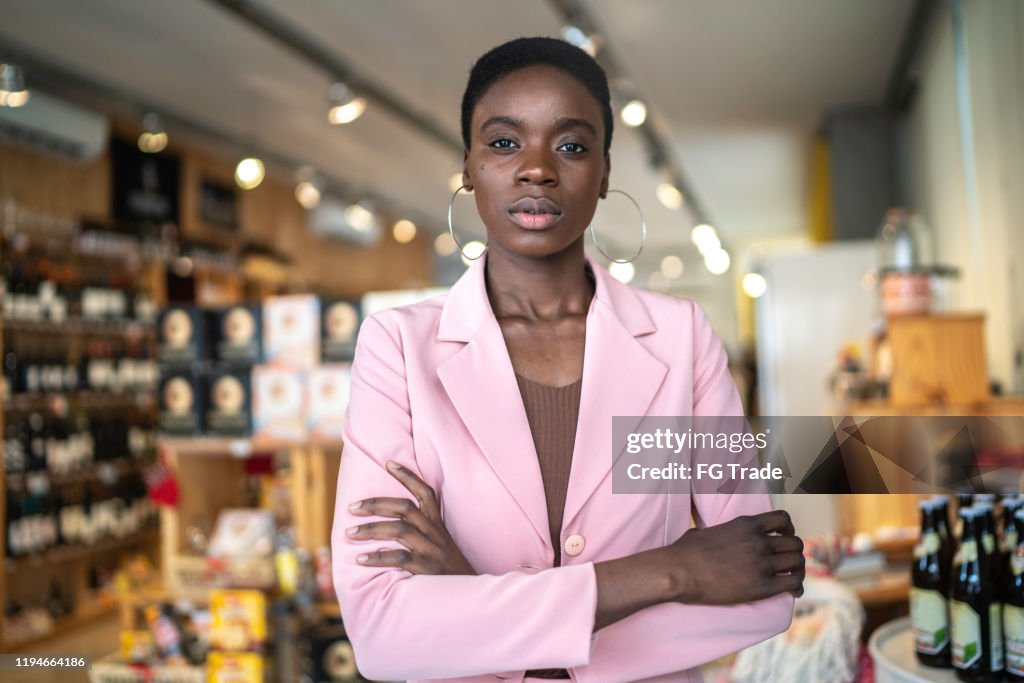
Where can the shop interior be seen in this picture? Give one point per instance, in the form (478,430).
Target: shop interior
(201,200)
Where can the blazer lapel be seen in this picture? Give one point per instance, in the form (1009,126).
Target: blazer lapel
(620,378)
(481,384)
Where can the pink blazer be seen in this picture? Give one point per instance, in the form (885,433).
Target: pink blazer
(433,387)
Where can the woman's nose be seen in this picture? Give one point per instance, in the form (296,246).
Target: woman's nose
(537,168)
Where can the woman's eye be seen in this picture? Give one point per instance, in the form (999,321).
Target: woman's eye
(573,148)
(503,143)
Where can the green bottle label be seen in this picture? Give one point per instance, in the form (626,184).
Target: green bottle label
(966,634)
(929,619)
(1013,628)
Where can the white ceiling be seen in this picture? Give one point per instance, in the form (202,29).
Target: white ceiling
(738,85)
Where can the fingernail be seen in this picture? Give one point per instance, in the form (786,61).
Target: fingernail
(362,559)
(356,505)
(351,531)
(393,466)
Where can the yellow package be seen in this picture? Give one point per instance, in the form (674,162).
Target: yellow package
(235,667)
(238,620)
(137,646)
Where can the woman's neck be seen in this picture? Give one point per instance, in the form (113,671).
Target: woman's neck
(538,290)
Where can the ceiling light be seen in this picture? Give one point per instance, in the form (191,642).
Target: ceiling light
(359,217)
(308,192)
(706,238)
(249,173)
(717,261)
(623,272)
(444,245)
(634,113)
(153,138)
(404,231)
(669,195)
(671,266)
(472,251)
(754,285)
(13,92)
(346,107)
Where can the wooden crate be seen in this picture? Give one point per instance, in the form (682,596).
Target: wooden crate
(938,359)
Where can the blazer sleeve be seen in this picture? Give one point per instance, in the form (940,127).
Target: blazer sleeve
(674,637)
(406,626)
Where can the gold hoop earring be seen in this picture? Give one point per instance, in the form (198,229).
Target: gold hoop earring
(643,229)
(451,230)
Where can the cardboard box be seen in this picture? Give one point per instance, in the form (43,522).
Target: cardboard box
(938,360)
(235,667)
(181,336)
(238,620)
(238,335)
(327,399)
(181,402)
(339,325)
(229,403)
(279,404)
(291,331)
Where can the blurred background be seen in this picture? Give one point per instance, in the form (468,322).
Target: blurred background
(200,200)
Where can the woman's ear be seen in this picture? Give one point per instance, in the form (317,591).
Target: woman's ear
(466,180)
(604,177)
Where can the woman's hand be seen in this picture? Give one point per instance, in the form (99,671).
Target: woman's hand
(429,547)
(745,559)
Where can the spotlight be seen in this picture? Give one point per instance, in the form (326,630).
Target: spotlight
(444,245)
(404,231)
(717,261)
(249,173)
(671,267)
(669,195)
(754,285)
(623,272)
(575,36)
(359,217)
(153,138)
(346,107)
(307,192)
(705,238)
(634,113)
(472,251)
(13,92)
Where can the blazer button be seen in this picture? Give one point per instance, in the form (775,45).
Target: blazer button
(574,545)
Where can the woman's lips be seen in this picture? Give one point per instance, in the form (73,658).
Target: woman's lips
(534,221)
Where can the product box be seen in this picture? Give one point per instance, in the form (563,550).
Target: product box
(339,325)
(238,620)
(237,335)
(181,335)
(291,331)
(228,403)
(327,392)
(235,667)
(181,402)
(278,404)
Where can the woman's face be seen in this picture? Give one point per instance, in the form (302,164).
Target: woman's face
(536,161)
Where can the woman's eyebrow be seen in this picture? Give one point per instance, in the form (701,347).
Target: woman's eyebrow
(501,120)
(570,123)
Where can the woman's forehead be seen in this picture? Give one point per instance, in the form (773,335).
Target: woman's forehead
(537,91)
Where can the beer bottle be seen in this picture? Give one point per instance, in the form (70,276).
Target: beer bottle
(977,651)
(1013,607)
(964,501)
(942,526)
(929,594)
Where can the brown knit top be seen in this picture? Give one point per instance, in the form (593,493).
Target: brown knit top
(552,413)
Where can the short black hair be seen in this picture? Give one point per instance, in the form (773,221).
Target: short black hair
(525,52)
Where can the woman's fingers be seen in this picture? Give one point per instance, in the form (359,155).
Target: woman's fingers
(786,544)
(786,563)
(417,487)
(400,530)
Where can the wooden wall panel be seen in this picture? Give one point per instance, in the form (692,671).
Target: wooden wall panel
(55,184)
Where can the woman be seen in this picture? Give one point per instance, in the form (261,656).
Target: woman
(476,535)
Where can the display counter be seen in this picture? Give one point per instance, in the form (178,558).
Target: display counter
(892,651)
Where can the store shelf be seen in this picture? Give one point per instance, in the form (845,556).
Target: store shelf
(116,468)
(237,448)
(79,326)
(70,553)
(61,625)
(80,400)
